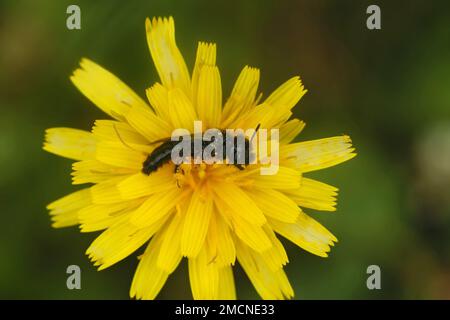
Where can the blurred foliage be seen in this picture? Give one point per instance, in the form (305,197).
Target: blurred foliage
(388,89)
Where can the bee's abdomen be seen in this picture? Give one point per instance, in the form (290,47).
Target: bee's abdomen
(157,158)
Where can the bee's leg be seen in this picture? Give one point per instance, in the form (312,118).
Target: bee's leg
(177,174)
(239,166)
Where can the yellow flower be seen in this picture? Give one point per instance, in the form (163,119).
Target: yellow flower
(217,213)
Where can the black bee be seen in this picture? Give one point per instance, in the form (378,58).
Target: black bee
(162,154)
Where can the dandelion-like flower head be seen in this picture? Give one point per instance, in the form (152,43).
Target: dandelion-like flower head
(215,215)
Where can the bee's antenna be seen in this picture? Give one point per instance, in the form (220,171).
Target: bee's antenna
(121,140)
(254,133)
(159,140)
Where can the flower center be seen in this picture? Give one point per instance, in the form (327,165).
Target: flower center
(192,175)
(196,175)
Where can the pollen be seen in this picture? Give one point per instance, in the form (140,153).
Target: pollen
(192,175)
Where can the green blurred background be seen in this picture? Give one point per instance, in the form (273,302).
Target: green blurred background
(389,89)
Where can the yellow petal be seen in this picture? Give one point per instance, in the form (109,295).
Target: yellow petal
(167,58)
(94,171)
(157,95)
(206,55)
(119,155)
(275,204)
(209,96)
(263,115)
(307,233)
(242,96)
(97,217)
(119,241)
(149,278)
(117,131)
(225,250)
(252,235)
(211,238)
(140,185)
(315,195)
(181,110)
(156,207)
(285,178)
(270,285)
(107,192)
(105,90)
(196,223)
(285,97)
(204,277)
(276,110)
(275,257)
(170,254)
(64,211)
(227,289)
(290,130)
(239,202)
(148,124)
(317,154)
(70,143)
